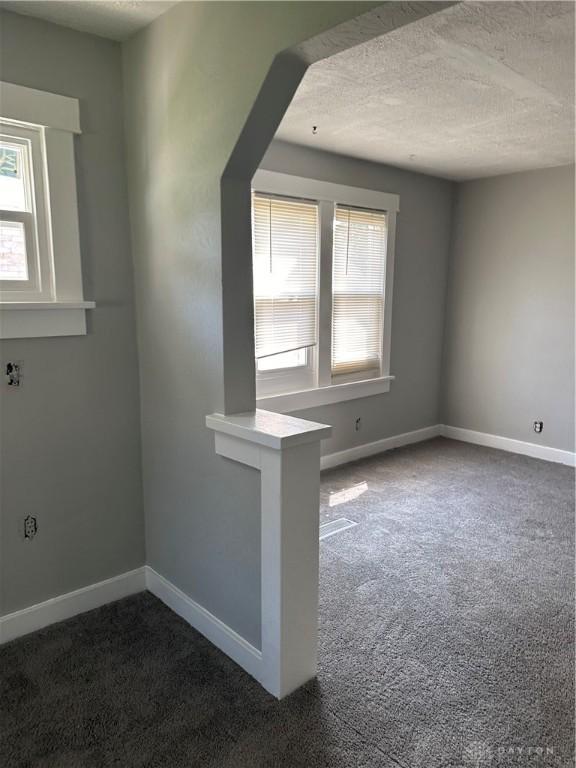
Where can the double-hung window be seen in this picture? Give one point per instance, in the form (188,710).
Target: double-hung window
(23,222)
(358,286)
(41,290)
(323,267)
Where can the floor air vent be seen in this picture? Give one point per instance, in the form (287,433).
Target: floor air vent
(335,526)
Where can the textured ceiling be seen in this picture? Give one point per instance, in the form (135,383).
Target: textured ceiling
(479,89)
(115,20)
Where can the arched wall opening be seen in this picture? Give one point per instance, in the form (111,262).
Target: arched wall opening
(276,93)
(285,450)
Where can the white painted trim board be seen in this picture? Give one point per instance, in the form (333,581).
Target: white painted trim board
(509,444)
(218,633)
(544,452)
(378,446)
(65,606)
(29,105)
(56,609)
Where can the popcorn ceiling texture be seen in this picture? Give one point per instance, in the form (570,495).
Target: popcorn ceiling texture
(116,20)
(476,90)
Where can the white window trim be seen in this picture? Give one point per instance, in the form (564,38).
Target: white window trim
(328,195)
(63,311)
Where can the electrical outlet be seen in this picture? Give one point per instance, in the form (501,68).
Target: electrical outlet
(357,424)
(13,373)
(30,527)
(538,426)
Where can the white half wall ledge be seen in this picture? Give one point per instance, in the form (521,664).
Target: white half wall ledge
(269,429)
(286,451)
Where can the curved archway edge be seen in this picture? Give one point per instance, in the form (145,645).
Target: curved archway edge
(274,97)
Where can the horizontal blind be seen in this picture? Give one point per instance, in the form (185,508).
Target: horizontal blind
(359,263)
(285,267)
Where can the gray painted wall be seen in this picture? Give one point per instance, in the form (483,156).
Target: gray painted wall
(422,246)
(509,356)
(70,437)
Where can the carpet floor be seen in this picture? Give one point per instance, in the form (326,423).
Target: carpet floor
(446,640)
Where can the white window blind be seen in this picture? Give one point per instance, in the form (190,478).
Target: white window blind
(285,266)
(358,271)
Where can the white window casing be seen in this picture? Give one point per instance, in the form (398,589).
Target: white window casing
(356,232)
(51,301)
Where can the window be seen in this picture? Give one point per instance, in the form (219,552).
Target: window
(40,269)
(297,358)
(285,281)
(359,263)
(323,266)
(285,257)
(25,274)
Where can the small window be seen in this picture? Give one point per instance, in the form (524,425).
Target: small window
(40,267)
(25,259)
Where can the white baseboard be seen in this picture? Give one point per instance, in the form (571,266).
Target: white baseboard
(35,617)
(63,607)
(219,634)
(378,446)
(66,606)
(534,450)
(454,433)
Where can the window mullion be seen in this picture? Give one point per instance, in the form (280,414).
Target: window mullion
(388,283)
(325,298)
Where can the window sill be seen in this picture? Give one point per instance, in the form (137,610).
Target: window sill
(28,319)
(335,393)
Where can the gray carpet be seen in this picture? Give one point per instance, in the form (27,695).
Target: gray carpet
(446,640)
